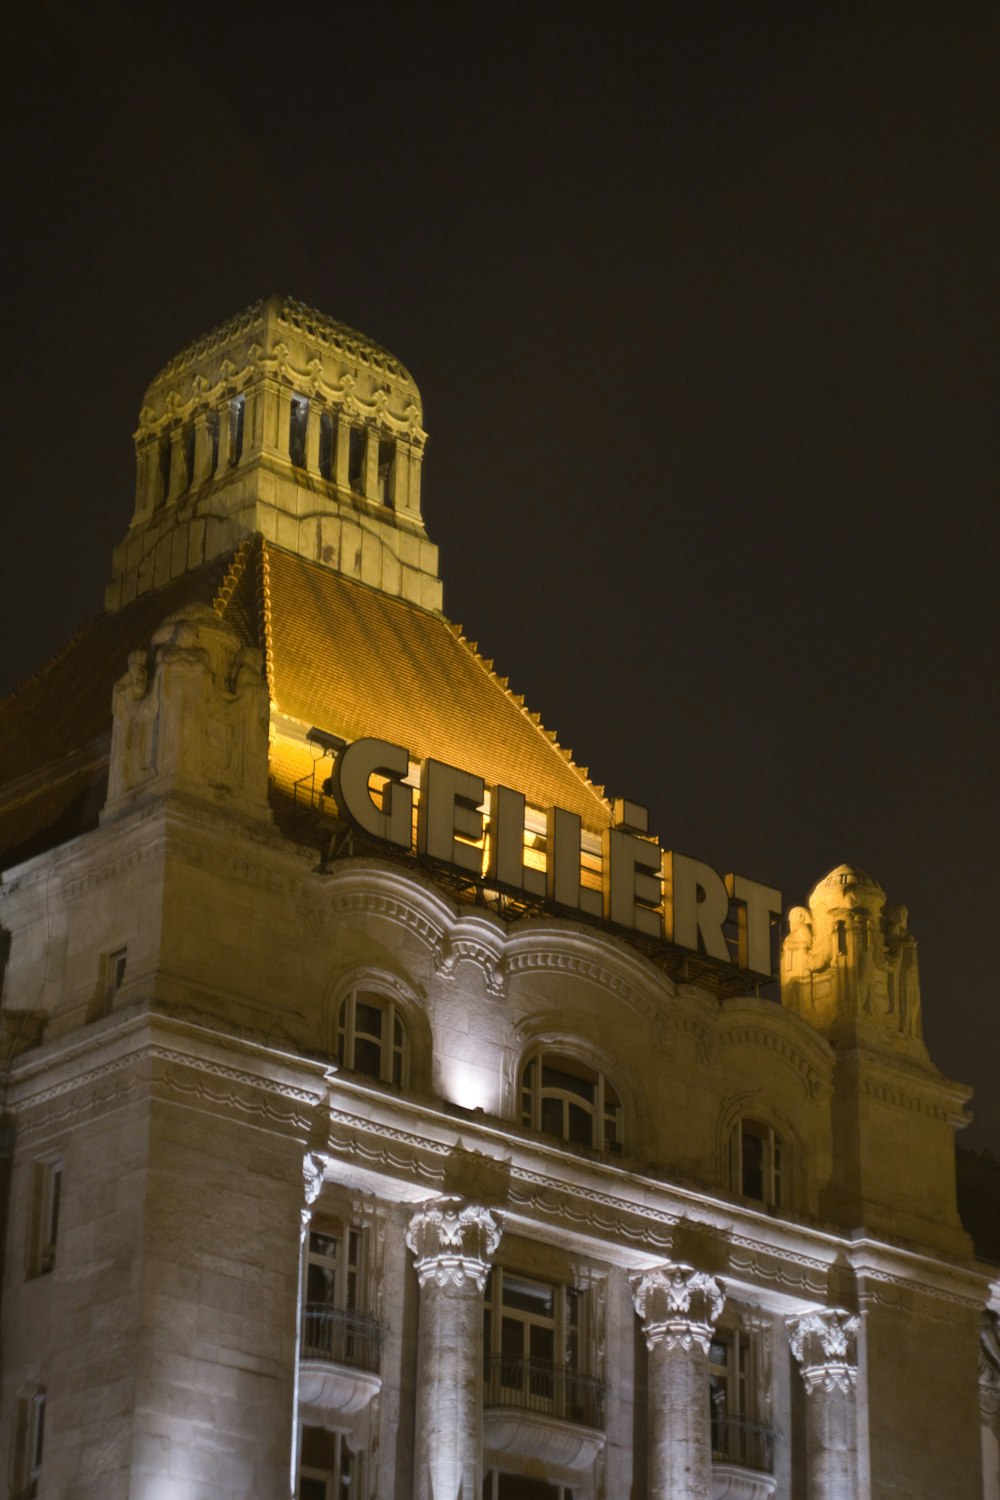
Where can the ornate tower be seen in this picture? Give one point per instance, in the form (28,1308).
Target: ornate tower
(849,968)
(284,422)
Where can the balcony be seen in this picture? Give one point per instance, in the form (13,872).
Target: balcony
(742,1458)
(541,1411)
(549,1390)
(343,1337)
(338,1360)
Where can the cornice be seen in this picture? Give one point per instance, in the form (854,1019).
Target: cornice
(172,406)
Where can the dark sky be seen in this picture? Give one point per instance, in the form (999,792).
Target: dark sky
(704,312)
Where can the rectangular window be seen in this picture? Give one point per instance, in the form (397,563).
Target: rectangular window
(43,1229)
(386,472)
(327,445)
(357,450)
(335,1326)
(298,426)
(114,974)
(328,1470)
(534,1349)
(738,1434)
(29,1441)
(237,416)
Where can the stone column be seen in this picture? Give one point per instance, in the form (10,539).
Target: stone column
(202,450)
(371,463)
(679,1307)
(178,467)
(453,1243)
(342,450)
(313,421)
(825,1345)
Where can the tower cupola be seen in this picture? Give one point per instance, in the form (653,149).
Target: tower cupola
(289,424)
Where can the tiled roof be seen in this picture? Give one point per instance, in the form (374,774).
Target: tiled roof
(63,715)
(357,662)
(339,655)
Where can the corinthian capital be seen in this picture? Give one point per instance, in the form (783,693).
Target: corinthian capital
(678,1306)
(825,1345)
(989,1371)
(453,1243)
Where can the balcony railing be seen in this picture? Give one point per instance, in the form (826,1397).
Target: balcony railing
(535,1385)
(340,1336)
(739,1440)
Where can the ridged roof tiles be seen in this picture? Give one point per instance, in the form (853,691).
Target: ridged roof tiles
(358,662)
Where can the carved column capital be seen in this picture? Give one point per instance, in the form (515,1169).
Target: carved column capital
(989,1371)
(453,1243)
(313,1172)
(825,1345)
(679,1306)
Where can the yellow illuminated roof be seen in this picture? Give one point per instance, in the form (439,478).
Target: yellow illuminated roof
(340,655)
(358,662)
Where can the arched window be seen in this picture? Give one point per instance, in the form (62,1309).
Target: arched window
(371,1038)
(564,1097)
(755,1162)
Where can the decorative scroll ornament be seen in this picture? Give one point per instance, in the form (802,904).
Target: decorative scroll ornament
(453,1243)
(825,1345)
(679,1306)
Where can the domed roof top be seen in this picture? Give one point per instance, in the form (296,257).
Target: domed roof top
(276,320)
(846,884)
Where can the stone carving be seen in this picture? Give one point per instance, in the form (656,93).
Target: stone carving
(453,1243)
(989,1371)
(825,1345)
(850,957)
(679,1306)
(192,717)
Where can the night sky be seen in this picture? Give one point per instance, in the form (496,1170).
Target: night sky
(702,302)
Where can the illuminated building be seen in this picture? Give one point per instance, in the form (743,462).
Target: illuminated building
(378,1125)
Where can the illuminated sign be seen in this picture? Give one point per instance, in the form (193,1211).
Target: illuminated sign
(643,889)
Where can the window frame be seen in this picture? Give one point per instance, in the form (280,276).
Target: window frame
(569,1325)
(605,1111)
(391,1050)
(333,1478)
(773,1166)
(29,1442)
(45,1209)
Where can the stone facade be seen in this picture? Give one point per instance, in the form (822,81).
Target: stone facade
(329,1174)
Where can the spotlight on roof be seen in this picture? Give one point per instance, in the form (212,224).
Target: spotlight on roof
(329,743)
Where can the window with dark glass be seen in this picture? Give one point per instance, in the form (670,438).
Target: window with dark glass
(534,1349)
(298,426)
(497,1486)
(357,447)
(327,444)
(386,471)
(237,416)
(567,1099)
(371,1038)
(756,1162)
(328,1469)
(738,1435)
(43,1231)
(29,1443)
